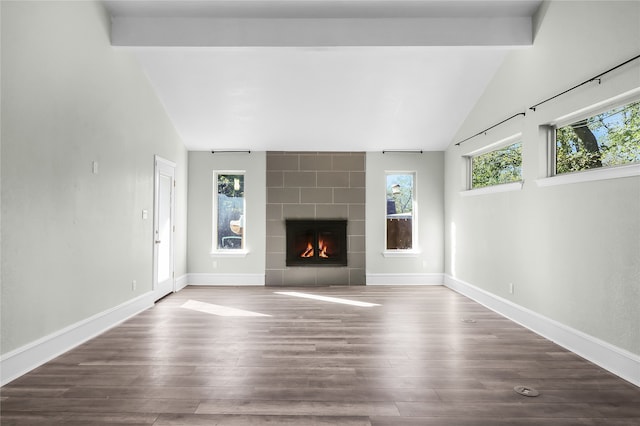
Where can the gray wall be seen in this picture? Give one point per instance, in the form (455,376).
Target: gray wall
(73,241)
(429,167)
(315,185)
(201,188)
(571,251)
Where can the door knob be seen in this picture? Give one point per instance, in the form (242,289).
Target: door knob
(158,241)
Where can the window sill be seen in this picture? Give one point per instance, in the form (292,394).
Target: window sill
(401,253)
(591,175)
(505,187)
(229,253)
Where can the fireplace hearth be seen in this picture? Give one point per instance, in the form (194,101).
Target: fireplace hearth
(316,242)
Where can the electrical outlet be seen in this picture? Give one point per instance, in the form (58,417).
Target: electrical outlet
(510,288)
(134,284)
(215,264)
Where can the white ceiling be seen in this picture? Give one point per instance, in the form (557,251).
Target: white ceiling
(335,75)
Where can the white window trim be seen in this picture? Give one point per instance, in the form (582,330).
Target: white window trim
(597,108)
(402,253)
(494,189)
(509,140)
(415,250)
(590,175)
(215,251)
(601,173)
(230,253)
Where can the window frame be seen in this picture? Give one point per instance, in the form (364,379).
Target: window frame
(596,173)
(500,187)
(585,113)
(415,247)
(228,252)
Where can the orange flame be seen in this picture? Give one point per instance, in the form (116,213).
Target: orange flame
(323,249)
(308,252)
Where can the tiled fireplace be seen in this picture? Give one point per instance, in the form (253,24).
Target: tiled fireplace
(312,187)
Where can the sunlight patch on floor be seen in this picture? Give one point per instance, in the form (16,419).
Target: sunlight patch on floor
(327,299)
(223,311)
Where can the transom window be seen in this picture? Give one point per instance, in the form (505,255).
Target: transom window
(500,166)
(400,211)
(229,207)
(610,138)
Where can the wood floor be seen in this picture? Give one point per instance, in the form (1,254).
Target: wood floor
(410,361)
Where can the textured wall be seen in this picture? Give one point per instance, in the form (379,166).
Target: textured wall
(310,185)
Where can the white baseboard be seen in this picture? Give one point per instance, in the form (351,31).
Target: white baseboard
(22,360)
(616,360)
(405,279)
(226,279)
(182,282)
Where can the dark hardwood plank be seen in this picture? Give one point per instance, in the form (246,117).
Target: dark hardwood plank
(77,419)
(243,420)
(298,408)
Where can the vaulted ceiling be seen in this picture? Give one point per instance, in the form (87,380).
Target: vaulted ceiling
(333,75)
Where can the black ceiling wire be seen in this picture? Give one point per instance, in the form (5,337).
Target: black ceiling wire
(489,128)
(592,79)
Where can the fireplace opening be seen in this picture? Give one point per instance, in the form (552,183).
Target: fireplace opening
(316,242)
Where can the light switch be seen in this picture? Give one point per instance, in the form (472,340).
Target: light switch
(94,167)
(145,214)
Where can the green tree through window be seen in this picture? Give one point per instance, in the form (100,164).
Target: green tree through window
(496,167)
(611,138)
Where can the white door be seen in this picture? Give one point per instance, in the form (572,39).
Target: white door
(163,232)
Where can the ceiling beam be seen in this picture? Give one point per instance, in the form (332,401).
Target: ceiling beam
(307,32)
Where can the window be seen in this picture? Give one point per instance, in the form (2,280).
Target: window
(500,166)
(229,211)
(400,211)
(611,138)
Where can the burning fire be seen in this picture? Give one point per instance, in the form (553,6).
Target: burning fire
(323,249)
(309,251)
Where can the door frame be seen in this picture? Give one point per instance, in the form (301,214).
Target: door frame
(159,164)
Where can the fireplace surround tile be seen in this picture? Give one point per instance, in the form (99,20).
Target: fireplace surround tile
(357,227)
(277,244)
(316,195)
(298,211)
(274,277)
(356,244)
(348,195)
(333,179)
(349,162)
(306,179)
(274,211)
(275,179)
(315,162)
(330,211)
(356,211)
(275,228)
(283,195)
(281,161)
(315,185)
(330,276)
(357,179)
